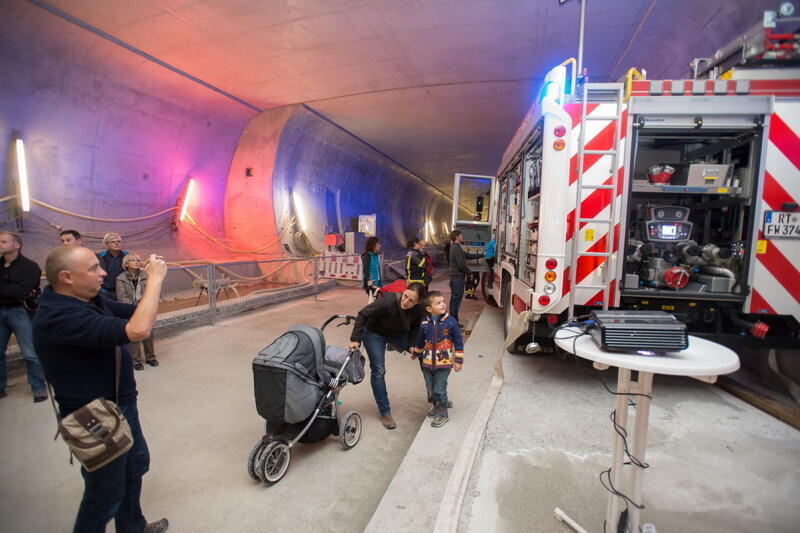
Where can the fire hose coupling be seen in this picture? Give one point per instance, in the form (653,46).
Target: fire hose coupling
(757,329)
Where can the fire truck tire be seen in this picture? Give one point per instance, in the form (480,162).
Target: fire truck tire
(506,302)
(485,289)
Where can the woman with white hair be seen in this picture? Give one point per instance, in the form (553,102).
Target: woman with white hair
(130,287)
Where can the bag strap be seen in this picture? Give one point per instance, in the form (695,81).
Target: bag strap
(118,365)
(116,374)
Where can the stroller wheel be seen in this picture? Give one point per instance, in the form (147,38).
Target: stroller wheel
(274,462)
(255,455)
(350,430)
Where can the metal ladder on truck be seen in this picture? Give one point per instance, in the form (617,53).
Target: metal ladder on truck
(604,93)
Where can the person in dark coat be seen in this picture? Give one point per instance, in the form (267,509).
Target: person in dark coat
(111,262)
(458,271)
(416,262)
(19,280)
(76,333)
(393,319)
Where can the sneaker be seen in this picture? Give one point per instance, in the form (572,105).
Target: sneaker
(39,396)
(138,366)
(439,421)
(388,421)
(157,527)
(152,362)
(432,410)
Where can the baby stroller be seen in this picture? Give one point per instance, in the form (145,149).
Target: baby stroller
(297,380)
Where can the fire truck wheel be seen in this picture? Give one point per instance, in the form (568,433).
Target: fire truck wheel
(507,315)
(485,289)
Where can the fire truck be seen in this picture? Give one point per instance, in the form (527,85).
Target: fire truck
(676,195)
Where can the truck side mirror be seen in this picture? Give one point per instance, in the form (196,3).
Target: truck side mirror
(479,204)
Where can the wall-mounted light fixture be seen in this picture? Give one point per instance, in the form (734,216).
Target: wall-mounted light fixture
(22,175)
(187,197)
(431,231)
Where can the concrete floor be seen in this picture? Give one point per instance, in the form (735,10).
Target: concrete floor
(199,418)
(718,465)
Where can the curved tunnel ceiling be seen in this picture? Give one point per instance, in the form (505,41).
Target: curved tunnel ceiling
(439,86)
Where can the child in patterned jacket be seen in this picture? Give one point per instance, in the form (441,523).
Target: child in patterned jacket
(440,348)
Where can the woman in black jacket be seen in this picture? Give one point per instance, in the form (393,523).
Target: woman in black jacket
(393,319)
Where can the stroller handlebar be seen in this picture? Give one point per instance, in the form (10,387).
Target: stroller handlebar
(347,320)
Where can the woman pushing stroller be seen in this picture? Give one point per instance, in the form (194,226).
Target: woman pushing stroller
(393,319)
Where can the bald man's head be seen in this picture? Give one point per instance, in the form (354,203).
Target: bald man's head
(59,258)
(75,271)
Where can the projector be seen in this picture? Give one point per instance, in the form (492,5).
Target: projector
(638,331)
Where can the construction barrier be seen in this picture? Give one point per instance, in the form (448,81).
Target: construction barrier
(335,266)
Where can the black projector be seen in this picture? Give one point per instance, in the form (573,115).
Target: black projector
(638,331)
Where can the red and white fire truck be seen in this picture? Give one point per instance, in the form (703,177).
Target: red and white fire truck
(679,195)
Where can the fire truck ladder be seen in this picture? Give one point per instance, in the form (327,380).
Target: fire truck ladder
(610,93)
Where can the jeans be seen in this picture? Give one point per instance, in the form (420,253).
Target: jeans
(436,383)
(456,295)
(376,352)
(114,490)
(16,319)
(146,346)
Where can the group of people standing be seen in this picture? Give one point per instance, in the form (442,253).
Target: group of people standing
(416,320)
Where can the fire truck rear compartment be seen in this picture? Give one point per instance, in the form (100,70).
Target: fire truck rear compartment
(689,218)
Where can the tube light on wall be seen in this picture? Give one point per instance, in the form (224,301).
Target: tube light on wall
(298,209)
(430,229)
(186,199)
(24,193)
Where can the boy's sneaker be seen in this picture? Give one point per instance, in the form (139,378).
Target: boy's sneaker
(439,421)
(432,410)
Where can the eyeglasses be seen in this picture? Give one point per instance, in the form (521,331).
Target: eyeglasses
(115,242)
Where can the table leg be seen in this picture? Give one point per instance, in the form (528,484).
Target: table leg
(615,503)
(644,386)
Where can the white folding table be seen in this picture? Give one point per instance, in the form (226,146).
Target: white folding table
(703,360)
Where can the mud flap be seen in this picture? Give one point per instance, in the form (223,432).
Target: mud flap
(518,328)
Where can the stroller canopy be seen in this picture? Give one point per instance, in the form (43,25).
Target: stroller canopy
(289,375)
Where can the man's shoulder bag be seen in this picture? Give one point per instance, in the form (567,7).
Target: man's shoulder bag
(97,433)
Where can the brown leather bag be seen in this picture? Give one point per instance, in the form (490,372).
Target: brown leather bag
(97,433)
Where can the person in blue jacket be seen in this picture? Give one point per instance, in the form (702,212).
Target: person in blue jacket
(440,348)
(371,267)
(488,254)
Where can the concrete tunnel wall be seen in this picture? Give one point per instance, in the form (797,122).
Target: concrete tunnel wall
(109,134)
(304,165)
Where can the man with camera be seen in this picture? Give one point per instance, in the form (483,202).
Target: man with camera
(77,332)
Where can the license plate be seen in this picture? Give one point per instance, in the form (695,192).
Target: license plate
(782,225)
